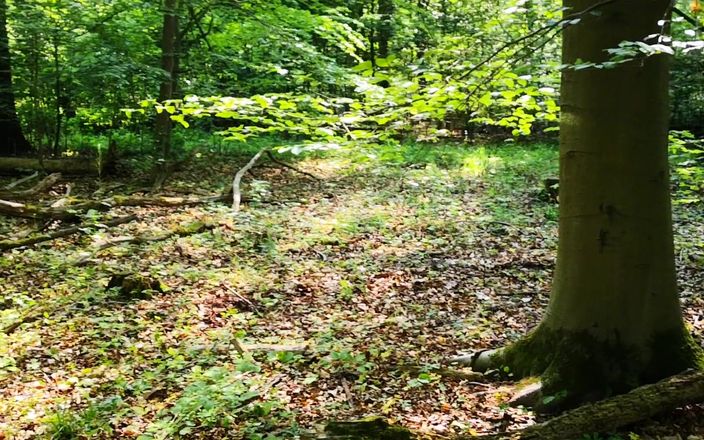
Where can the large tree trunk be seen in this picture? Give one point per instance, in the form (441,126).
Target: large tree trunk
(12,140)
(614,320)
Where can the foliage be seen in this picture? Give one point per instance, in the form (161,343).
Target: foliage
(94,421)
(217,397)
(687,154)
(409,233)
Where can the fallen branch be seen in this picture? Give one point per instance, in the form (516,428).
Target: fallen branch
(183,231)
(191,229)
(71,166)
(73,210)
(611,414)
(605,416)
(69,212)
(236,194)
(12,244)
(42,186)
(443,372)
(30,315)
(276,348)
(163,201)
(18,182)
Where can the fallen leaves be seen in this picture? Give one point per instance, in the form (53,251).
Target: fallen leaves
(314,305)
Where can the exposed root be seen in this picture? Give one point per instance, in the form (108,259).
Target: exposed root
(576,367)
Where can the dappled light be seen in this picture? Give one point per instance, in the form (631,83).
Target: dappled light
(351,220)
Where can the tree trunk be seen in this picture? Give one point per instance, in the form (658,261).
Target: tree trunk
(166,91)
(614,320)
(385,28)
(57,94)
(12,140)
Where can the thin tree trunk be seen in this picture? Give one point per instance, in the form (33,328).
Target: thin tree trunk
(614,320)
(385,32)
(57,93)
(12,140)
(166,91)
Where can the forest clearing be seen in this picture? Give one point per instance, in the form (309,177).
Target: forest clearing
(352,220)
(305,307)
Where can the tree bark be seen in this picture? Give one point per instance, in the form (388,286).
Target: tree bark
(385,31)
(12,140)
(169,63)
(613,321)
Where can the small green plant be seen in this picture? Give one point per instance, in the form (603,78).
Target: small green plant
(547,400)
(217,397)
(347,290)
(94,421)
(422,380)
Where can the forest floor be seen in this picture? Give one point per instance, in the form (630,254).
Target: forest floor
(302,308)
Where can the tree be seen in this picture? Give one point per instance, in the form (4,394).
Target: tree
(12,140)
(169,64)
(613,321)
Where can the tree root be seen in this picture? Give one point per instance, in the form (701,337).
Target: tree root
(370,428)
(614,413)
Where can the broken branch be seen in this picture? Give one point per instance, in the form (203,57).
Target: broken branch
(42,186)
(12,244)
(236,194)
(18,182)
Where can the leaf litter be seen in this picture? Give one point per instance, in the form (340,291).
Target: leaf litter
(301,309)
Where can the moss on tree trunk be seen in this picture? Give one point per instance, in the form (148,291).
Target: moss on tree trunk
(577,367)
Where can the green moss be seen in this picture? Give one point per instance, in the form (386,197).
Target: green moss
(191,228)
(675,351)
(576,367)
